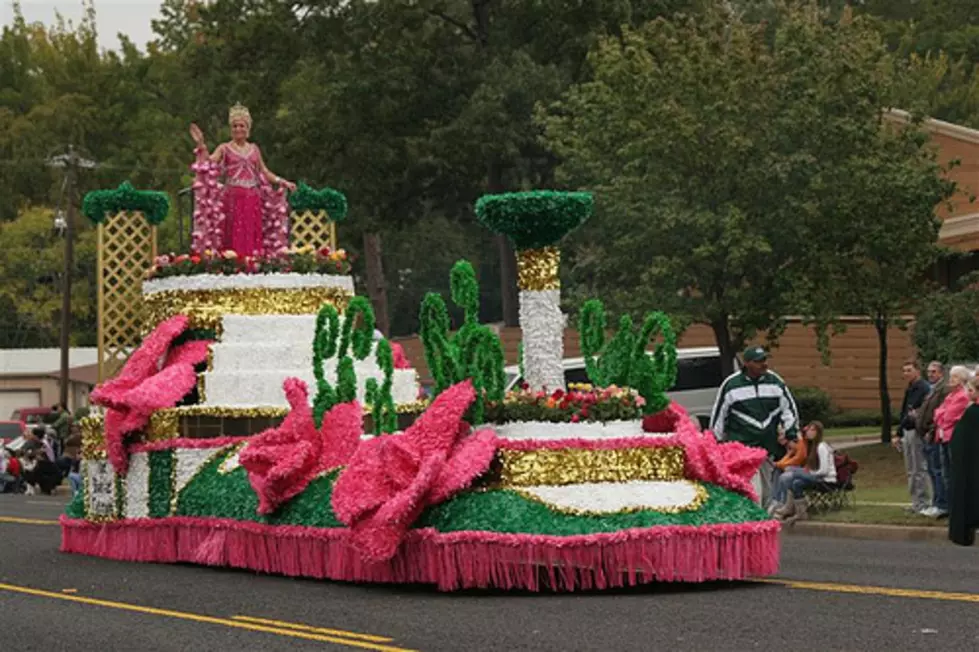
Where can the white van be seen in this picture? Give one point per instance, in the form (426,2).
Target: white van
(698,379)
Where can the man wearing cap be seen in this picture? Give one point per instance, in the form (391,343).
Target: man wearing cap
(752,406)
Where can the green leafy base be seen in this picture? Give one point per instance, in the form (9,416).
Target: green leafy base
(215,495)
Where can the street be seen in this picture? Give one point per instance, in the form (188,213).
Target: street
(832,594)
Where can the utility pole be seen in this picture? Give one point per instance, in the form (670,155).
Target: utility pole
(70,162)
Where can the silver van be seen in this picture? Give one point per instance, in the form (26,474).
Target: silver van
(698,379)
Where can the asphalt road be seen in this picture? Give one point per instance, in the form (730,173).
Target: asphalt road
(831,595)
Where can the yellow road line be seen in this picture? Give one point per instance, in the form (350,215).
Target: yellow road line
(26,521)
(315,630)
(875,590)
(183,615)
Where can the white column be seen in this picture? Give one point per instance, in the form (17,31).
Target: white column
(542,323)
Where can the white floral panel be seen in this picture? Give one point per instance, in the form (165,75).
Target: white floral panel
(100,488)
(283,281)
(137,503)
(613,497)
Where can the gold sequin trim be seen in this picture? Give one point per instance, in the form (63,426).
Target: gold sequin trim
(225,467)
(537,269)
(206,307)
(201,393)
(93,438)
(579,465)
(698,501)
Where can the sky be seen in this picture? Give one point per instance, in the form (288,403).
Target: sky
(131,17)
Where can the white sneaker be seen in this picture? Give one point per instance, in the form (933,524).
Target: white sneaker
(930,512)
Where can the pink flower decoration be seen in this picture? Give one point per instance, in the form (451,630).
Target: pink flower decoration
(392,478)
(730,464)
(282,461)
(400,359)
(144,385)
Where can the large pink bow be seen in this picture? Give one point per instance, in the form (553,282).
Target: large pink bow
(392,478)
(144,385)
(282,461)
(730,464)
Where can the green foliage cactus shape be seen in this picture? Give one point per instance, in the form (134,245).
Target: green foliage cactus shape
(333,340)
(624,361)
(384,413)
(474,352)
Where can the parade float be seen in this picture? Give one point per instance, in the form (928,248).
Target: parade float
(261,424)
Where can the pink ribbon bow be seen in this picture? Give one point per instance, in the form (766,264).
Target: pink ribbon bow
(282,461)
(729,464)
(392,478)
(144,385)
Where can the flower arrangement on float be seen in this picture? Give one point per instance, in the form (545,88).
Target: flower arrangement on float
(301,260)
(580,403)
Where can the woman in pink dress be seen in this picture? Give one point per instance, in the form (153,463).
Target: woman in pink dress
(244,172)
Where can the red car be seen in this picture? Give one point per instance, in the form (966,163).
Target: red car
(30,416)
(11,430)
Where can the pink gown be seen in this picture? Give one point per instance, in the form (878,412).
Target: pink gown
(242,200)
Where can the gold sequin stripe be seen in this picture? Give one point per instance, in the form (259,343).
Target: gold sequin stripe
(206,307)
(93,438)
(578,465)
(537,269)
(201,393)
(165,424)
(698,501)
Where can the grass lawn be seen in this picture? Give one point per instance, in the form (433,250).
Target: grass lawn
(880,479)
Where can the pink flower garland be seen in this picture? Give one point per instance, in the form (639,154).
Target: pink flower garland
(275,222)
(208,204)
(282,461)
(400,359)
(392,478)
(144,385)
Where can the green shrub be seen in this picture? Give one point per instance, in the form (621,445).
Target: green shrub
(814,404)
(857,419)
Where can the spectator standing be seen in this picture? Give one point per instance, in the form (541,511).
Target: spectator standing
(906,437)
(963,515)
(925,427)
(947,416)
(752,406)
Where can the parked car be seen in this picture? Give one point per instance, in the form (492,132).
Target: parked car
(30,416)
(10,430)
(698,379)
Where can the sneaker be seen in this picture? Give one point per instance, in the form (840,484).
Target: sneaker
(930,512)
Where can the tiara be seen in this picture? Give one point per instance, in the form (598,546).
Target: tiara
(239,112)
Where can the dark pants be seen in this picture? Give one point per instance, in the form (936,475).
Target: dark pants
(945,453)
(939,486)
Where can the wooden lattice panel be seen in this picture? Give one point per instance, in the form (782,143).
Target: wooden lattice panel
(312,228)
(127,247)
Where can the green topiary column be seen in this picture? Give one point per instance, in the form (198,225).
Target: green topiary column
(535,221)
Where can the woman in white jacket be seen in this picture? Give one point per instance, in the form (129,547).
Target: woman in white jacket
(820,466)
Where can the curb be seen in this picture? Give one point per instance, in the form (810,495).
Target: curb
(868,531)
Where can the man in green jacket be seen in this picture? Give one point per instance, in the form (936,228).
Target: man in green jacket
(753,405)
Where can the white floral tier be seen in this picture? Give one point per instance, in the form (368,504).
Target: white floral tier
(258,352)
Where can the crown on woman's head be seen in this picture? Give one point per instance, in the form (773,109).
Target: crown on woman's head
(239,112)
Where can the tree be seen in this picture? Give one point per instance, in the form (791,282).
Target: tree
(889,193)
(31,268)
(706,140)
(946,324)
